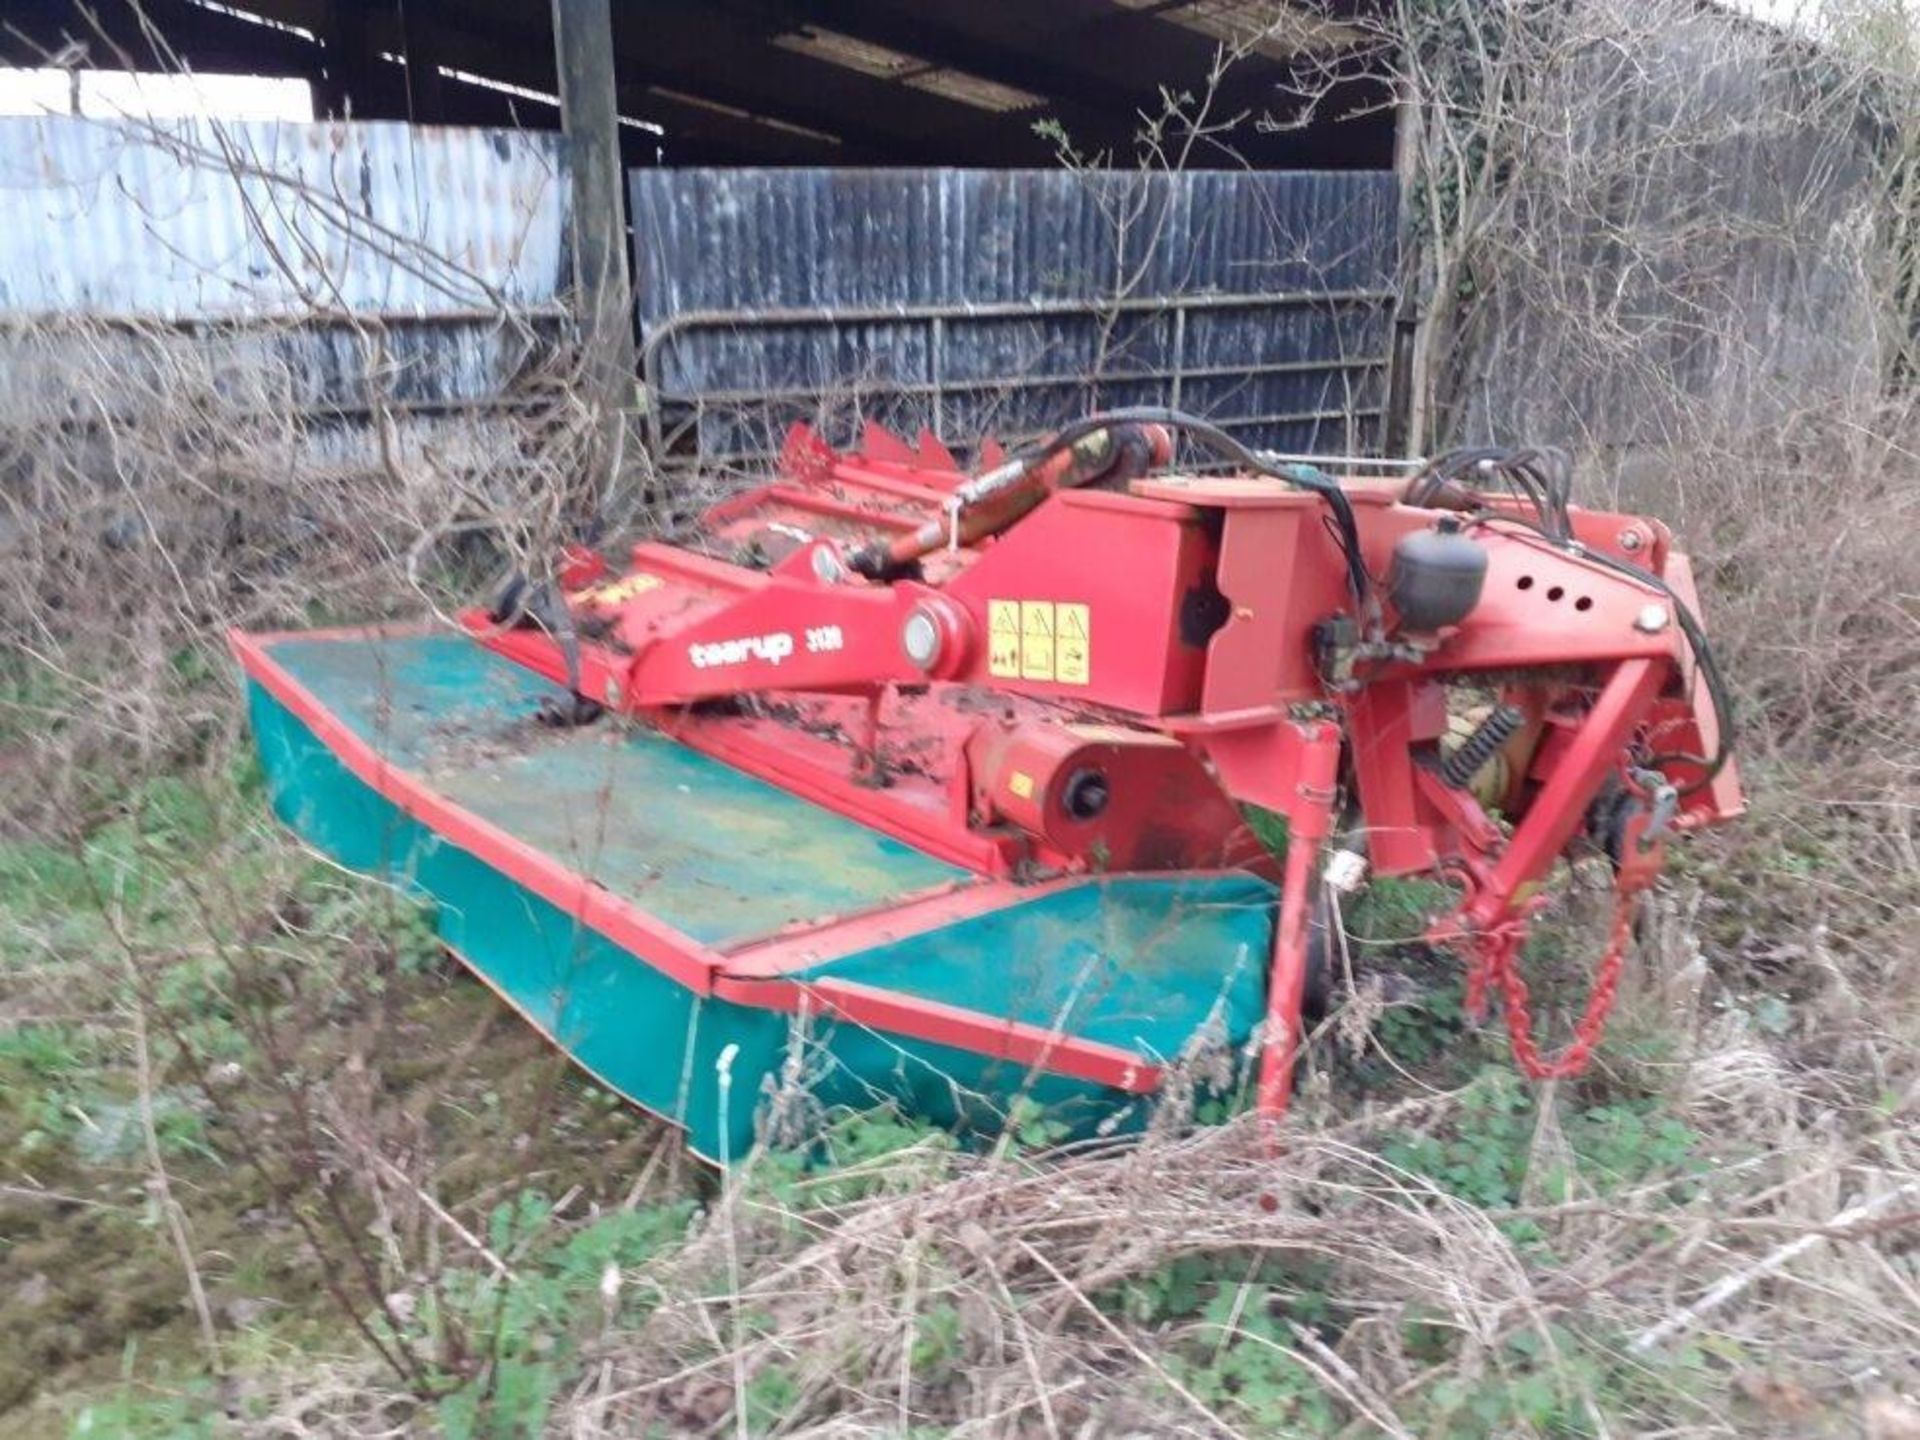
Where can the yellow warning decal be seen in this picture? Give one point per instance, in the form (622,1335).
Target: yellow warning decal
(1036,640)
(1003,643)
(1072,643)
(618,592)
(1040,640)
(1021,784)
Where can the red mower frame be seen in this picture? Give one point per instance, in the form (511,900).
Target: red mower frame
(1068,662)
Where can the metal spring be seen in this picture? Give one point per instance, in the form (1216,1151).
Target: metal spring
(1459,768)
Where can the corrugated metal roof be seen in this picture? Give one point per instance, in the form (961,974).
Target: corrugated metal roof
(192,220)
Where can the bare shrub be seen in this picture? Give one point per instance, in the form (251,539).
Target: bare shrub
(310,1079)
(1680,243)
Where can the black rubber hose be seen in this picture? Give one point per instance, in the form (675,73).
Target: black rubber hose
(1718,691)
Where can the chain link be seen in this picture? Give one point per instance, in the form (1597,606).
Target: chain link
(1493,967)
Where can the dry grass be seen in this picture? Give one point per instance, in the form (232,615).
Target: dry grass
(1034,1264)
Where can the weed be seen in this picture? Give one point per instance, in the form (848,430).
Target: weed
(1394,911)
(1030,1128)
(1252,1371)
(772,1393)
(1173,1290)
(524,1332)
(937,1337)
(1236,1349)
(856,1155)
(1549,1380)
(1487,1154)
(133,1416)
(1421,1030)
(47,1052)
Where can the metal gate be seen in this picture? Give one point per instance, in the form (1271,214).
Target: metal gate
(979,302)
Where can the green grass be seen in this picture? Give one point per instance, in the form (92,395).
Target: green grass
(264,975)
(1486,1153)
(567,1286)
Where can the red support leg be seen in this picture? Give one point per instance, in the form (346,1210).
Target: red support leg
(1308,823)
(1556,812)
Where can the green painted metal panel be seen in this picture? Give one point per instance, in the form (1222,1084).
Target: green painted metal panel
(634,1027)
(715,853)
(1141,962)
(1145,962)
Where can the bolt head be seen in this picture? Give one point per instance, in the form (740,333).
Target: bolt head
(920,638)
(1652,619)
(827,568)
(1631,540)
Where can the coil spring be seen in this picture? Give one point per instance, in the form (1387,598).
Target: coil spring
(1459,768)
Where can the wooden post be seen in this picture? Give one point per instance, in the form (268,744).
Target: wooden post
(426,103)
(1407,410)
(589,114)
(345,91)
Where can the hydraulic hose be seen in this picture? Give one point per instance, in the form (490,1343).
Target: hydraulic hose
(995,498)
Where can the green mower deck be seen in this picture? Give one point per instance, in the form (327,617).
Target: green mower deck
(706,943)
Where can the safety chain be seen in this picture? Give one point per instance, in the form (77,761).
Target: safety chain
(1494,966)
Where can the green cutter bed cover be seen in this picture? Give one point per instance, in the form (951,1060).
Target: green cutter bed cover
(615,886)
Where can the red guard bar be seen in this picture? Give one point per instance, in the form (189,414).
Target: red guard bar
(1562,803)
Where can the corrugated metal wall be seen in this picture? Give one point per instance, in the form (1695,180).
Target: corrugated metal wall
(191,221)
(415,265)
(1697,251)
(1004,302)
